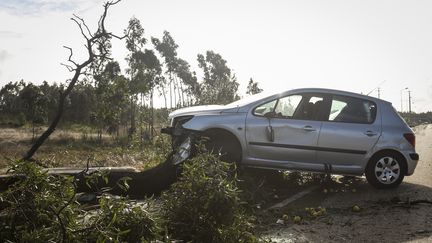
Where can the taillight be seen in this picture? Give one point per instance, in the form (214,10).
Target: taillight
(410,137)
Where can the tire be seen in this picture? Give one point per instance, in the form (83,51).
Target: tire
(386,170)
(225,145)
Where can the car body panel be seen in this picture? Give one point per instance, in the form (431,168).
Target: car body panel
(343,144)
(336,147)
(289,136)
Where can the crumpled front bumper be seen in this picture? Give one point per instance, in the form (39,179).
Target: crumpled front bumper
(182,142)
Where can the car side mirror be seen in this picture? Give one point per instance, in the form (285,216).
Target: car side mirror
(269,130)
(270,114)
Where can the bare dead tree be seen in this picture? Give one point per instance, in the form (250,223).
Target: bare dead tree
(97,49)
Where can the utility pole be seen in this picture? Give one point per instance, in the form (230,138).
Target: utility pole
(402,98)
(379,93)
(409,100)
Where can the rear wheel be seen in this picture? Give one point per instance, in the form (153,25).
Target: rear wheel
(386,170)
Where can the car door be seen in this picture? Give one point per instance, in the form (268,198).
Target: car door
(350,131)
(285,129)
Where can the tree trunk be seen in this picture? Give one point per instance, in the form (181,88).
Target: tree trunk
(152,114)
(33,130)
(182,94)
(164,96)
(141,121)
(170,88)
(132,117)
(57,117)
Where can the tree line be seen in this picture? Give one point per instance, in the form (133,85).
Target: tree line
(108,98)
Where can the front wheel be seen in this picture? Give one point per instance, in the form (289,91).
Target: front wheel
(386,170)
(224,144)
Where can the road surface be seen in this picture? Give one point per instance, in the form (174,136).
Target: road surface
(385,214)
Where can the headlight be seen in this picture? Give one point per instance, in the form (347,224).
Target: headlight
(183,151)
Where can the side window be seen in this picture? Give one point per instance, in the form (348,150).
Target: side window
(287,105)
(310,108)
(336,108)
(304,107)
(352,110)
(265,108)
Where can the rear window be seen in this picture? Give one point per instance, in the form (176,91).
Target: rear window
(352,110)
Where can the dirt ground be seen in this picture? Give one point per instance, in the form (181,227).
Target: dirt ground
(70,148)
(384,215)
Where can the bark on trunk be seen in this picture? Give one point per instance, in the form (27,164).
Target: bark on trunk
(56,119)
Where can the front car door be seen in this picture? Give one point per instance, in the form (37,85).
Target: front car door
(350,131)
(284,132)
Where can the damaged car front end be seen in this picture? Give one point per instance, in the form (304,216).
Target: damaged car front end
(182,140)
(195,125)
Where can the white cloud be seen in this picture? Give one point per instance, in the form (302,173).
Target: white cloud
(348,45)
(40,7)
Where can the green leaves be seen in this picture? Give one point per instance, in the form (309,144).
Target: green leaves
(38,207)
(134,35)
(253,88)
(205,206)
(41,208)
(122,220)
(219,85)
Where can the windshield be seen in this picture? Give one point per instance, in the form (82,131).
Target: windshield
(249,99)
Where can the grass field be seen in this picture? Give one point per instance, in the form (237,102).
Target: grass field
(72,148)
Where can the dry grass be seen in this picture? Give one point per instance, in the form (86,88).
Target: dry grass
(74,149)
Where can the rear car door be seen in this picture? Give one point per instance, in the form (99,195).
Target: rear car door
(285,129)
(350,131)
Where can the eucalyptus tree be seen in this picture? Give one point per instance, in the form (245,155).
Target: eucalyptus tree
(144,80)
(219,85)
(51,93)
(253,88)
(189,79)
(135,42)
(112,92)
(153,79)
(167,48)
(10,104)
(34,105)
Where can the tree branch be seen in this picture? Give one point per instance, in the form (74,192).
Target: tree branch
(85,25)
(100,37)
(70,68)
(80,27)
(70,55)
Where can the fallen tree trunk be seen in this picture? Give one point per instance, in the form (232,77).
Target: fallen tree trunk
(141,184)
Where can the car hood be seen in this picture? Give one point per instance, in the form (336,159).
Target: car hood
(194,110)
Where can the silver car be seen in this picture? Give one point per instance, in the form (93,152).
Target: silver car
(319,130)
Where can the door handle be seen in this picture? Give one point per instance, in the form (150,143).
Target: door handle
(370,133)
(309,128)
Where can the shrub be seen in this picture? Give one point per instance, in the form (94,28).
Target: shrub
(121,220)
(205,206)
(38,207)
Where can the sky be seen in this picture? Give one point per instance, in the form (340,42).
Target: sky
(352,45)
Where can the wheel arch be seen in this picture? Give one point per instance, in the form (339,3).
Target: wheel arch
(389,150)
(226,135)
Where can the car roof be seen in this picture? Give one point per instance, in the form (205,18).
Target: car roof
(262,97)
(336,92)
